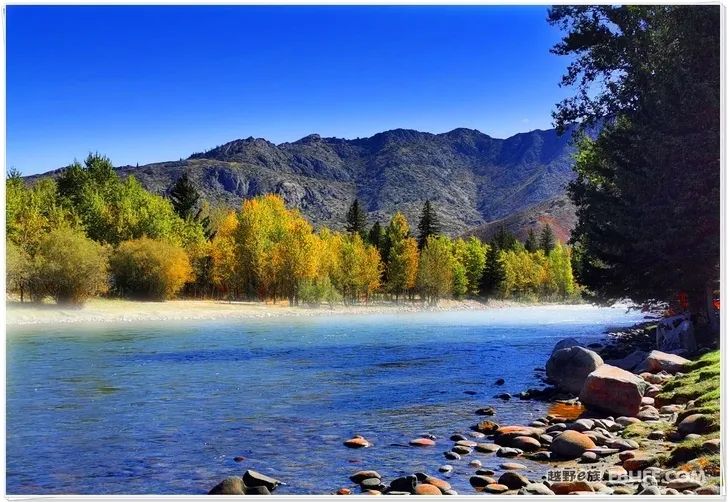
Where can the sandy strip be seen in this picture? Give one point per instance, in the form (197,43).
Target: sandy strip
(120,311)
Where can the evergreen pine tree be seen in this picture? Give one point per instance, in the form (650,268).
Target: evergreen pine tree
(184,197)
(494,273)
(504,240)
(531,241)
(429,224)
(376,236)
(547,241)
(356,220)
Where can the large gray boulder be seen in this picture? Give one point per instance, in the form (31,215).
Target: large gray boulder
(657,361)
(629,362)
(565,344)
(613,390)
(569,367)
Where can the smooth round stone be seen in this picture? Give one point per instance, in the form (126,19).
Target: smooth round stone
(603,452)
(394,492)
(458,437)
(508,452)
(487,447)
(693,436)
(541,456)
(556,427)
(445,468)
(403,484)
(478,481)
(371,492)
(475,463)
(485,472)
(343,491)
(422,442)
(712,445)
(488,410)
(496,488)
(536,489)
(461,450)
(357,442)
(681,484)
(513,480)
(589,457)
(466,443)
(359,476)
(476,435)
(451,455)
(526,443)
(656,435)
(370,483)
(512,466)
(708,490)
(232,485)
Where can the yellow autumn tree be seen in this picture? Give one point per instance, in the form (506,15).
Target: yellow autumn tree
(403,256)
(226,266)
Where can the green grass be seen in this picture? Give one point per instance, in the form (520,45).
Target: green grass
(641,430)
(699,383)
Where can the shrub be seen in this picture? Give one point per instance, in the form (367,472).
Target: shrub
(18,270)
(314,292)
(69,267)
(150,269)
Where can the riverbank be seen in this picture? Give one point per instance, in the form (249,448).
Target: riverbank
(99,310)
(668,444)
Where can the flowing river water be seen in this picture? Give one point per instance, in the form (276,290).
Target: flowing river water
(164,408)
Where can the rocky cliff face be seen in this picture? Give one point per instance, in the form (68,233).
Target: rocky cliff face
(471,178)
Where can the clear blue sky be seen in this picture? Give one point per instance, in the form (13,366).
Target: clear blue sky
(145,84)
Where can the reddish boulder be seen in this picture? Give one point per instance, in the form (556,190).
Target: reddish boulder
(571,444)
(657,361)
(613,390)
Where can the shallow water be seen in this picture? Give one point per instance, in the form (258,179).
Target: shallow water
(162,408)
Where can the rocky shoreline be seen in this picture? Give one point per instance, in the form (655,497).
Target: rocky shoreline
(617,426)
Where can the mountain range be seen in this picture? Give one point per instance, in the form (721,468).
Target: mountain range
(471,178)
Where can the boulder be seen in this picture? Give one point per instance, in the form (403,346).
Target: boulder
(571,444)
(676,333)
(488,410)
(253,478)
(613,390)
(257,490)
(565,344)
(526,443)
(486,427)
(479,481)
(496,488)
(567,487)
(232,485)
(422,442)
(569,367)
(629,362)
(657,361)
(357,442)
(427,489)
(513,480)
(696,423)
(403,484)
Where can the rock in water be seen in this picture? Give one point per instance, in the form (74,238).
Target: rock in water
(422,442)
(253,478)
(657,361)
(229,486)
(360,476)
(513,480)
(571,444)
(565,344)
(613,390)
(357,442)
(569,367)
(488,410)
(426,489)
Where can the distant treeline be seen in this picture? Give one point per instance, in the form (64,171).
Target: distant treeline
(90,232)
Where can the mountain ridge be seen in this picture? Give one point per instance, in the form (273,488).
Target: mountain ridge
(471,177)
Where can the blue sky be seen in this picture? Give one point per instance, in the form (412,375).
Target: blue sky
(145,84)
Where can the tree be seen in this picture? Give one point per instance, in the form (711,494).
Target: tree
(226,272)
(546,241)
(149,269)
(470,254)
(356,219)
(69,267)
(429,224)
(531,243)
(435,273)
(19,270)
(493,273)
(647,190)
(503,239)
(184,197)
(376,236)
(402,256)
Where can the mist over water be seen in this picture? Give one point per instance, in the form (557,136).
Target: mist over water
(162,408)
